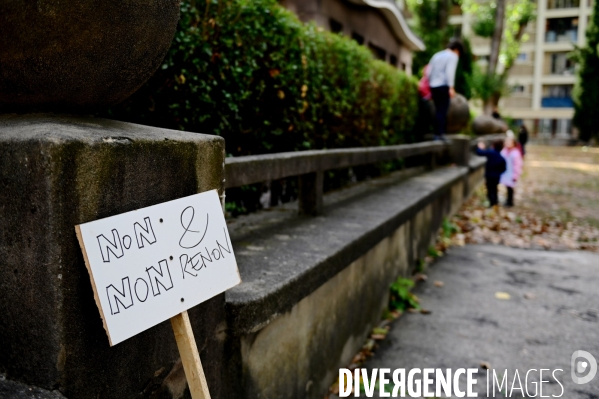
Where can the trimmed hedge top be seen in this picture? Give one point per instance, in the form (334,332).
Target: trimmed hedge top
(250,71)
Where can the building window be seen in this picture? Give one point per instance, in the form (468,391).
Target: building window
(393,60)
(563,4)
(561,64)
(522,57)
(336,26)
(561,30)
(518,89)
(357,37)
(378,52)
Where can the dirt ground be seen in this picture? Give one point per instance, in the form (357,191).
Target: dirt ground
(557,204)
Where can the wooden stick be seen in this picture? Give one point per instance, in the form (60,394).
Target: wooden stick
(190,357)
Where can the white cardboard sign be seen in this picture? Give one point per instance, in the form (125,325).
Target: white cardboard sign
(151,264)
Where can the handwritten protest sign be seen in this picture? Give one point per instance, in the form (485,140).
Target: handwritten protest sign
(149,265)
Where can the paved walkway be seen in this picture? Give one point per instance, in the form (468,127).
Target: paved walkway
(552,311)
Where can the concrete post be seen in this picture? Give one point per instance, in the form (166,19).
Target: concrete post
(432,161)
(56,172)
(311,193)
(460,150)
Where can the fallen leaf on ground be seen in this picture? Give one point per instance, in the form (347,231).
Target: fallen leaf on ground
(502,295)
(380,331)
(439,283)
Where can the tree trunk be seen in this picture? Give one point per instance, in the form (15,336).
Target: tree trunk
(517,38)
(496,39)
(488,106)
(491,104)
(495,49)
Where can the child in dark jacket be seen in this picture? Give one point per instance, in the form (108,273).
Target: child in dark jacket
(493,169)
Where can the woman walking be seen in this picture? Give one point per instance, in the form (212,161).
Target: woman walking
(513,161)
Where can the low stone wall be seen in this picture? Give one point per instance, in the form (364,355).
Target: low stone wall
(296,353)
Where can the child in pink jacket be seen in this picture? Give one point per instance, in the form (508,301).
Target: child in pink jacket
(513,161)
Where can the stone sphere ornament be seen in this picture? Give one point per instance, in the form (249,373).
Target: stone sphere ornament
(80,55)
(458,114)
(485,124)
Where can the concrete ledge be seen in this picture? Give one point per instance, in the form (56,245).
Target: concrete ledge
(282,265)
(477,163)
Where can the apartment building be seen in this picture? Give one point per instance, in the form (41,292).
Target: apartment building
(543,77)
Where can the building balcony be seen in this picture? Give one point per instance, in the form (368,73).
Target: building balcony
(480,41)
(555,79)
(562,12)
(557,102)
(522,70)
(517,101)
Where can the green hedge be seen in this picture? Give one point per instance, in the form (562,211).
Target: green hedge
(250,71)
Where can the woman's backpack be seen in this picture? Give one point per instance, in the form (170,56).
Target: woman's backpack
(424,88)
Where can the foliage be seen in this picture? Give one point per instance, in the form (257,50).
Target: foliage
(586,95)
(401,296)
(463,75)
(449,228)
(518,15)
(484,22)
(433,252)
(484,86)
(250,71)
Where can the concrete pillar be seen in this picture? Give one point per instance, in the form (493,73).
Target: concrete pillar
(537,88)
(583,15)
(311,193)
(460,150)
(56,172)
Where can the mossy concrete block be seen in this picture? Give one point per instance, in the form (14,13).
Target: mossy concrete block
(55,173)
